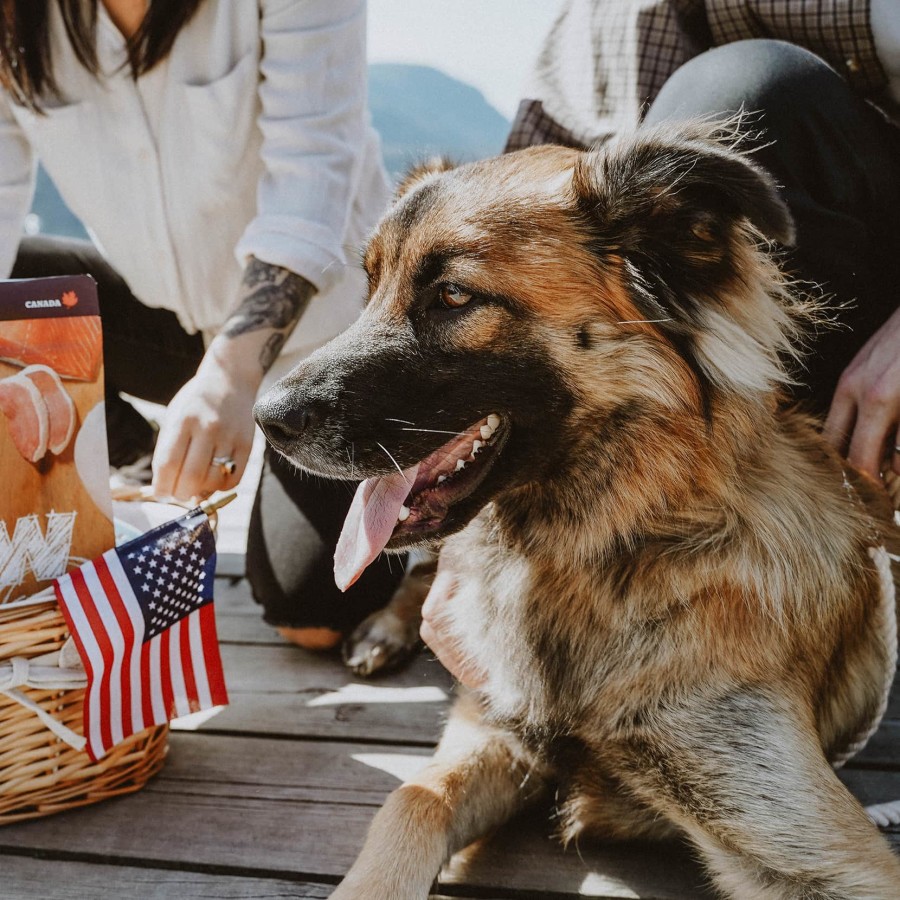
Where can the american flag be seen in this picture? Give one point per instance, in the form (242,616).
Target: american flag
(142,618)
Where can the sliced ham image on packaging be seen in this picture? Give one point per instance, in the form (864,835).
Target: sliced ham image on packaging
(39,411)
(55,509)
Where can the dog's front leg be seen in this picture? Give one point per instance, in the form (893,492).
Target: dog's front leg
(479,777)
(748,781)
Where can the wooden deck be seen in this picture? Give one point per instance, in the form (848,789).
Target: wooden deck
(271,797)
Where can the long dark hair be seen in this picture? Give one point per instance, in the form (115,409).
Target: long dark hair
(26,68)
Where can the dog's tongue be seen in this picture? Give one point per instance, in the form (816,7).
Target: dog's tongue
(370,523)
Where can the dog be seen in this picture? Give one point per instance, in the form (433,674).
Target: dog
(570,375)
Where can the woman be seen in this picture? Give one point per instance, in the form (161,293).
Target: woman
(221,157)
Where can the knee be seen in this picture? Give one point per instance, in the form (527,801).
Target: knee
(312,638)
(780,80)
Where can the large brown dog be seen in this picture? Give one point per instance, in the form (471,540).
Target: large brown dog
(680,594)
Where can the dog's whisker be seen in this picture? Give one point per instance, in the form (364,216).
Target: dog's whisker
(403,421)
(430,430)
(394,461)
(349,452)
(643,321)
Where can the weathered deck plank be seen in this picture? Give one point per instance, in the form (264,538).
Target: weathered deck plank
(286,691)
(25,878)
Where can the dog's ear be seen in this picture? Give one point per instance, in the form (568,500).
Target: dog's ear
(684,215)
(677,189)
(421,173)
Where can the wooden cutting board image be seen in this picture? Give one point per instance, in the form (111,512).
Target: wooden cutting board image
(55,509)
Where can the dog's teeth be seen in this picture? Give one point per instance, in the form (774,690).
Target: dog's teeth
(476,446)
(403,515)
(441,478)
(460,464)
(486,432)
(493,421)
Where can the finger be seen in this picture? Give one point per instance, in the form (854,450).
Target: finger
(439,594)
(195,470)
(870,439)
(241,457)
(839,423)
(171,449)
(437,646)
(450,656)
(219,476)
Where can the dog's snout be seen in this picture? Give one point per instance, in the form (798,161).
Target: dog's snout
(284,423)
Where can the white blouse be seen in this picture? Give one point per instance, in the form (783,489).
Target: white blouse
(251,138)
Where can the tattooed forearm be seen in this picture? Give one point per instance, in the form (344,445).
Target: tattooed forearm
(273,298)
(271,349)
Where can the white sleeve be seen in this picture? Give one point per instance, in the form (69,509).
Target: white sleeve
(17,178)
(313,123)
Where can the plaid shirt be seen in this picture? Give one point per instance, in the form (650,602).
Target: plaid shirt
(635,45)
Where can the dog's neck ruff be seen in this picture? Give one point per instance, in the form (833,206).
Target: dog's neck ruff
(888,613)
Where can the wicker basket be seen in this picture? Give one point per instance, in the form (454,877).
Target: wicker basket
(40,773)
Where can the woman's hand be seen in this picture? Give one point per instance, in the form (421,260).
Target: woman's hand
(211,416)
(864,420)
(437,632)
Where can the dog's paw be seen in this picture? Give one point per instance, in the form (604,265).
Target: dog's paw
(885,815)
(383,641)
(389,636)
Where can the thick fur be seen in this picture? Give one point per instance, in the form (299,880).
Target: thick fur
(669,577)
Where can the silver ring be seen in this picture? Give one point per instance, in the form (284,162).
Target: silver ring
(226,464)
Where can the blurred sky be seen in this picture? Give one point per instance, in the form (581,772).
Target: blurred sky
(489,44)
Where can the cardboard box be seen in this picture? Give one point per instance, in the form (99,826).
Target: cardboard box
(55,507)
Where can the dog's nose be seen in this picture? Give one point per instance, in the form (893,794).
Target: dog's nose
(284,424)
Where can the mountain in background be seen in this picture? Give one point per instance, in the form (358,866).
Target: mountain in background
(49,214)
(418,111)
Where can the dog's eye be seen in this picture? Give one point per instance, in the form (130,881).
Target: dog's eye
(453,296)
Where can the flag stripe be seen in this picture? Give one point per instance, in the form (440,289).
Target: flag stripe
(211,657)
(148,710)
(164,675)
(121,588)
(204,698)
(120,609)
(158,682)
(92,659)
(112,676)
(187,666)
(95,624)
(181,705)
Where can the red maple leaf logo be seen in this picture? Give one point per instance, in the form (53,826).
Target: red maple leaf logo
(69,299)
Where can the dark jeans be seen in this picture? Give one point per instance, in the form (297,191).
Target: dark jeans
(296,518)
(837,160)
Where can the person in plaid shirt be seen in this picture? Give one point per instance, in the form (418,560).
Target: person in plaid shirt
(822,80)
(823,77)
